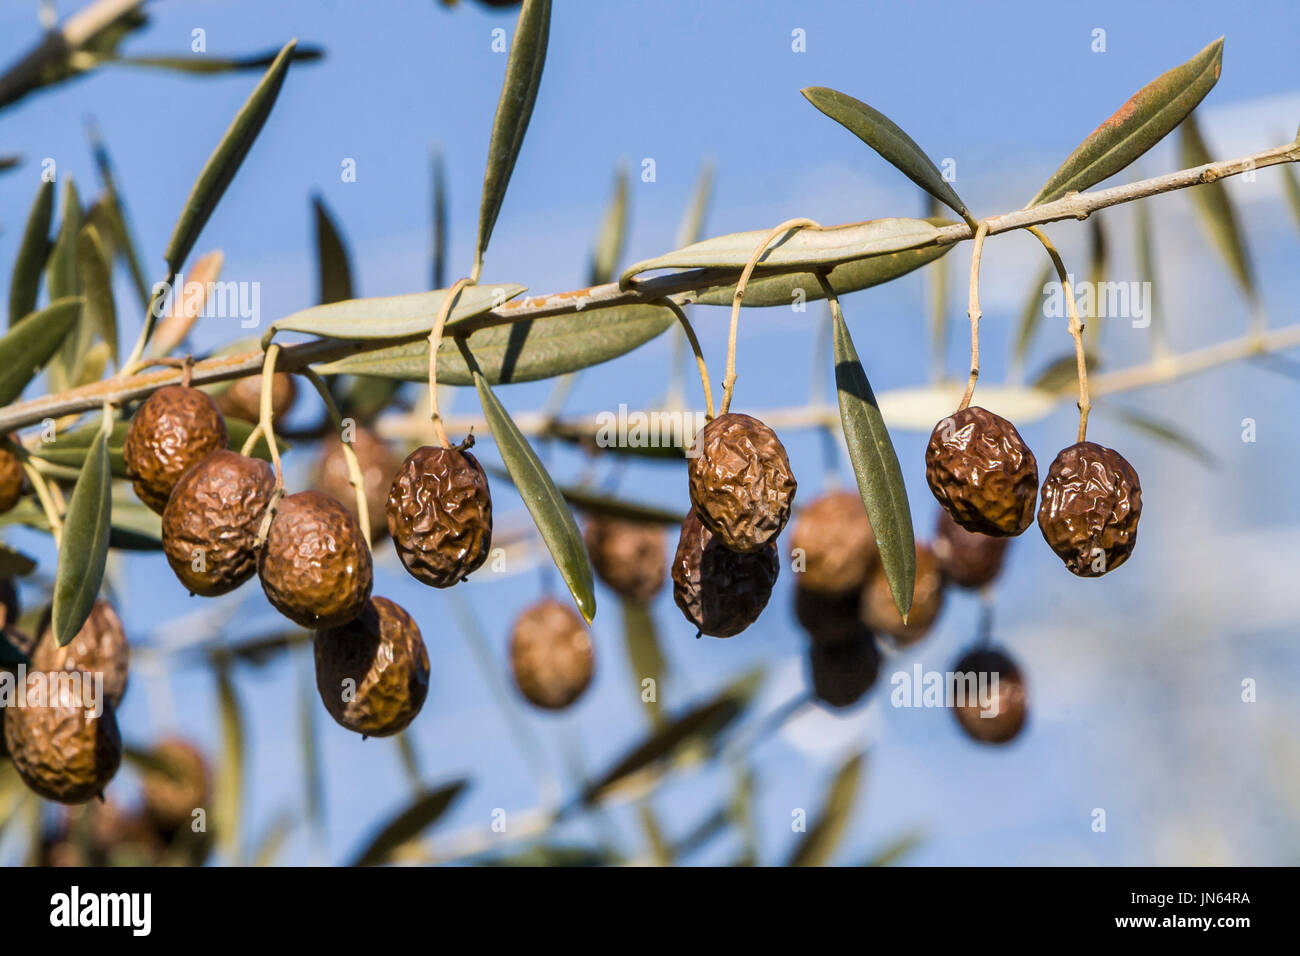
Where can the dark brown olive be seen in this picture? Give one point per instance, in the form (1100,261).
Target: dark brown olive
(1004,717)
(720,591)
(315,567)
(982,472)
(211,522)
(628,556)
(550,654)
(827,618)
(243,399)
(170,799)
(841,673)
(440,515)
(175,429)
(1090,508)
(378,466)
(968,559)
(740,481)
(373,672)
(833,537)
(100,647)
(11,475)
(881,614)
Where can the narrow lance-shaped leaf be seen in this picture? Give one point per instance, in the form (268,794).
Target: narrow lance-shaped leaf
(393,316)
(884,136)
(332,266)
(1139,124)
(544,502)
(880,480)
(62,276)
(819,843)
(612,237)
(1161,431)
(1216,211)
(414,819)
(1031,315)
(25,284)
(1098,264)
(692,224)
(313,781)
(225,160)
(83,548)
(229,797)
(32,342)
(439,264)
(1291,182)
(608,506)
(518,94)
(1146,265)
(206,65)
(100,316)
(121,234)
(645,657)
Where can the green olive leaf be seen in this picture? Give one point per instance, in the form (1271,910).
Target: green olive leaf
(420,814)
(206,65)
(14,564)
(1062,373)
(332,264)
(25,283)
(895,850)
(1139,124)
(1292,185)
(225,161)
(61,278)
(84,545)
(116,234)
(818,845)
(99,312)
(880,480)
(692,224)
(519,352)
(31,343)
(228,797)
(645,656)
(1031,316)
(438,263)
(544,502)
(394,316)
(884,136)
(1091,310)
(514,109)
(1216,210)
(1161,431)
(701,725)
(1144,243)
(609,506)
(800,248)
(612,237)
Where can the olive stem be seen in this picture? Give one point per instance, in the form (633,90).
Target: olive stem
(689,331)
(133,363)
(1076,329)
(729,382)
(266,414)
(973,312)
(42,488)
(435,341)
(349,453)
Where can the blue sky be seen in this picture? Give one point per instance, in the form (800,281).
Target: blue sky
(1135,677)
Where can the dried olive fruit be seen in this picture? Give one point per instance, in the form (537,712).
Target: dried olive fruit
(720,591)
(243,399)
(378,466)
(842,673)
(373,672)
(175,428)
(315,566)
(211,522)
(1091,504)
(982,472)
(833,543)
(1006,706)
(881,614)
(60,752)
(440,515)
(550,654)
(11,476)
(100,647)
(740,481)
(170,798)
(967,559)
(629,556)
(827,618)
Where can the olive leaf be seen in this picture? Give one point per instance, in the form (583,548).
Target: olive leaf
(701,724)
(1139,124)
(61,278)
(14,564)
(394,316)
(229,796)
(1217,212)
(884,136)
(313,778)
(207,65)
(438,263)
(661,851)
(99,312)
(518,93)
(550,513)
(83,548)
(420,814)
(1062,373)
(332,264)
(645,656)
(114,210)
(1144,247)
(880,480)
(800,248)
(1031,315)
(32,342)
(274,838)
(608,506)
(1098,264)
(225,161)
(10,162)
(612,237)
(1161,431)
(894,850)
(25,283)
(1292,185)
(692,224)
(521,351)
(819,843)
